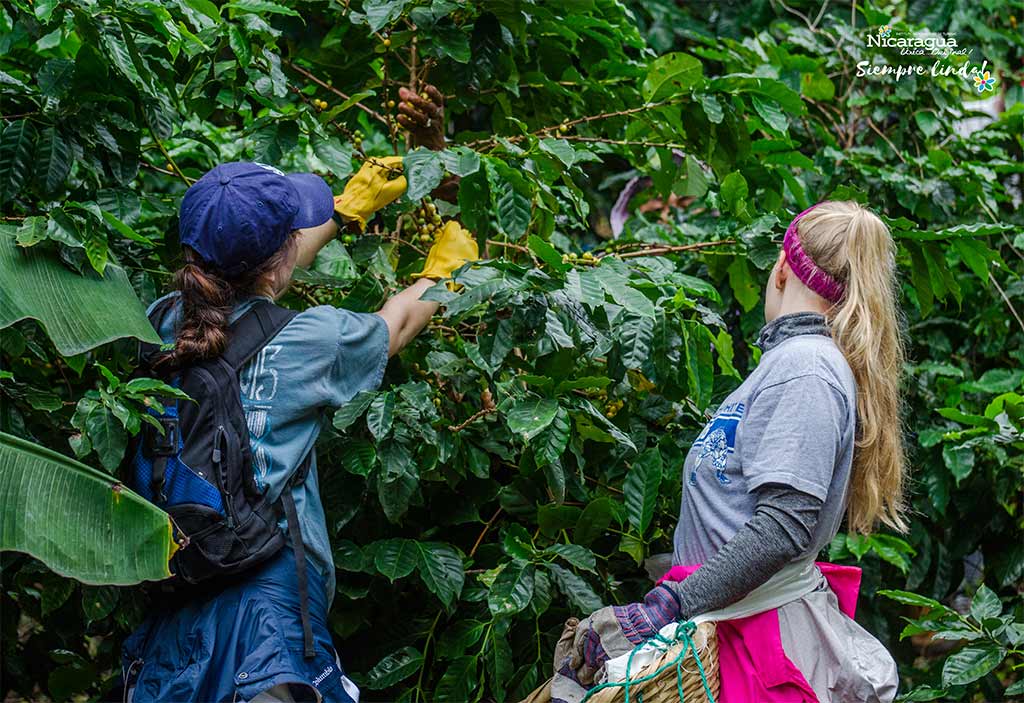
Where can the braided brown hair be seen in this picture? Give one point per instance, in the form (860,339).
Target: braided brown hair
(207,298)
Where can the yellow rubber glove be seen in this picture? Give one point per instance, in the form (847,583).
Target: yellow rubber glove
(452,248)
(370,190)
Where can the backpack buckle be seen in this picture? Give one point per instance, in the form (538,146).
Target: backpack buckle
(167,443)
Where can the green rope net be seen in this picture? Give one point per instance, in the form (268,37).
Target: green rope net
(684,633)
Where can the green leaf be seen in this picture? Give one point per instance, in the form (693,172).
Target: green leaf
(15,157)
(258,7)
(927,121)
(424,171)
(395,558)
(712,108)
(206,7)
(499,664)
(560,149)
(106,534)
(770,113)
(352,410)
(460,160)
(441,570)
(337,156)
(547,253)
(985,604)
(925,693)
(576,589)
(513,210)
(458,682)
(474,203)
(641,489)
(671,74)
(358,457)
(577,555)
(699,364)
(461,635)
(107,435)
(32,231)
(79,313)
(959,461)
(98,602)
(741,279)
(552,440)
(996,381)
(239,44)
(381,414)
(394,668)
(817,86)
(637,334)
(123,229)
(594,521)
(975,254)
(53,158)
(768,87)
(528,417)
(734,189)
(55,593)
(55,77)
(394,493)
(512,589)
(381,12)
(910,598)
(971,663)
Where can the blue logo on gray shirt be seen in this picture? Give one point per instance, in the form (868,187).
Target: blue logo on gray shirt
(717,441)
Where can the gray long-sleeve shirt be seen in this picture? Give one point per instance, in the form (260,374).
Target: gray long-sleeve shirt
(766,481)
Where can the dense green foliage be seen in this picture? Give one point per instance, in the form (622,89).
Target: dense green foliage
(523,456)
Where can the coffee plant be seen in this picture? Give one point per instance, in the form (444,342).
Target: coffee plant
(628,169)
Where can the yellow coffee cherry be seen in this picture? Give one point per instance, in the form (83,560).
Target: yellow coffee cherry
(387,42)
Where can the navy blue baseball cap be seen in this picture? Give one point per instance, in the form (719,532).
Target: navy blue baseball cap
(238,214)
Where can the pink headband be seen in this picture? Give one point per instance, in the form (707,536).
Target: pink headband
(817,279)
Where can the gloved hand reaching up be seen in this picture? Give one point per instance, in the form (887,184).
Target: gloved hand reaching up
(377,184)
(452,248)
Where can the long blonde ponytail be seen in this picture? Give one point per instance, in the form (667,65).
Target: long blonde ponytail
(854,245)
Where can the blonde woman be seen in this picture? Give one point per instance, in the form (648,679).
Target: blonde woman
(811,434)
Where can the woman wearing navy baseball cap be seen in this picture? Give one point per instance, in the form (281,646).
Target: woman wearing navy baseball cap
(244,227)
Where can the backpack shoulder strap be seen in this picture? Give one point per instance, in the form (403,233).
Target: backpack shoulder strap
(253,330)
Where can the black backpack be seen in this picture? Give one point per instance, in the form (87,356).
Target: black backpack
(200,468)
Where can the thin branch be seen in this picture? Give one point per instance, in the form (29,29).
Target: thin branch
(1006,300)
(510,245)
(484,143)
(824,6)
(622,142)
(369,111)
(175,171)
(661,250)
(483,532)
(879,132)
(472,418)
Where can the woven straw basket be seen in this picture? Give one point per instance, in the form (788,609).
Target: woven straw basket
(665,687)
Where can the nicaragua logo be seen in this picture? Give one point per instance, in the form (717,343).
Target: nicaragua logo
(914,44)
(717,441)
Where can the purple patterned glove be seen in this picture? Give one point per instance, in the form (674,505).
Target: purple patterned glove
(617,629)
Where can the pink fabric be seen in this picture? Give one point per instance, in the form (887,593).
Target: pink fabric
(813,276)
(752,663)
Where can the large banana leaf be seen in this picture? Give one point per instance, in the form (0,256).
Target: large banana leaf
(78,312)
(77,520)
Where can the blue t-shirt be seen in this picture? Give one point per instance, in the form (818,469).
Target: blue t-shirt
(319,361)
